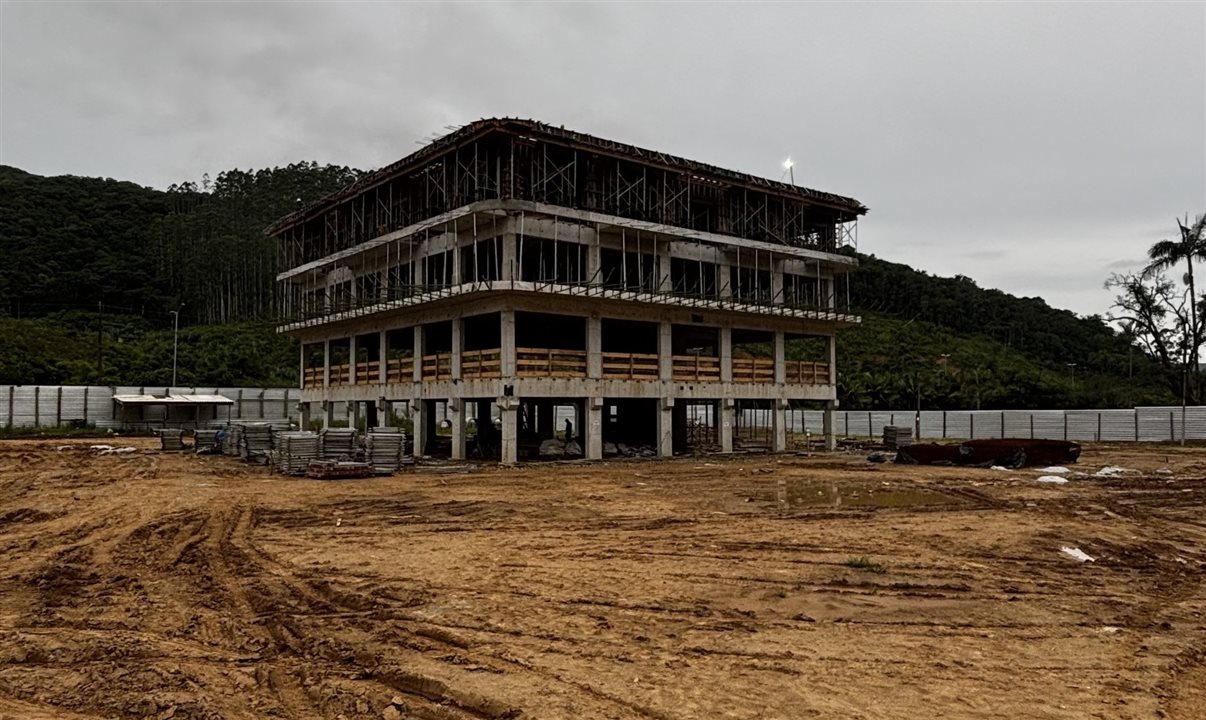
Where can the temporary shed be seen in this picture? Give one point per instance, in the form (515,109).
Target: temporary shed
(160,411)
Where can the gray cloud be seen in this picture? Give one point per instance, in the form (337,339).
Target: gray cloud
(1021,144)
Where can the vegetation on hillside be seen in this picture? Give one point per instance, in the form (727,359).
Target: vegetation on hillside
(97,266)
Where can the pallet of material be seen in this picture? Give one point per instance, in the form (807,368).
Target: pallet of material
(295,451)
(338,470)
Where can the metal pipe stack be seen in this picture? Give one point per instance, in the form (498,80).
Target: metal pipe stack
(256,443)
(339,443)
(205,442)
(295,451)
(386,449)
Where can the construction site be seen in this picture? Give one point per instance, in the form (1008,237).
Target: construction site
(529,288)
(147,584)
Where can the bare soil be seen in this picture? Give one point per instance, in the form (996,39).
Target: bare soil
(153,585)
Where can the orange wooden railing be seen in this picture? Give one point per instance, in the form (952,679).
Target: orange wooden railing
(753,370)
(630,366)
(696,368)
(312,378)
(340,374)
(801,372)
(400,370)
(437,366)
(481,364)
(366,372)
(546,362)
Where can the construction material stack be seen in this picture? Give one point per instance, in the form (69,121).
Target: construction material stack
(898,436)
(295,451)
(207,442)
(386,447)
(171,440)
(339,444)
(256,442)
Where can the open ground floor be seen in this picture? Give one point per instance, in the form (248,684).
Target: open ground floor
(179,586)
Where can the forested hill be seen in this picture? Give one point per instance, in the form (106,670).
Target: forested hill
(72,246)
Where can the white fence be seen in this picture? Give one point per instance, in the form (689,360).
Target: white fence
(1143,424)
(56,405)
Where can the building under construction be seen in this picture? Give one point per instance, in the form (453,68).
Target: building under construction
(513,280)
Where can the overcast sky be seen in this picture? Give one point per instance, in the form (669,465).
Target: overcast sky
(1034,147)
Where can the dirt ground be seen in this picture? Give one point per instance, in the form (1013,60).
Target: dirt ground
(152,585)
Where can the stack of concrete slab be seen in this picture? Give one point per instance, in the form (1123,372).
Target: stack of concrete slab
(339,443)
(386,448)
(295,451)
(898,436)
(205,442)
(171,440)
(256,442)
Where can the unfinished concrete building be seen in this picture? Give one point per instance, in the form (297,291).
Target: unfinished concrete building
(512,268)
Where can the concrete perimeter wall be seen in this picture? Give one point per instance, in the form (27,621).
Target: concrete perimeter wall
(55,405)
(1143,424)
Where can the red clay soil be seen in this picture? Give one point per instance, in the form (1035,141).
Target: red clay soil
(165,586)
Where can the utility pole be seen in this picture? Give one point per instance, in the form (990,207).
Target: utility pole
(175,341)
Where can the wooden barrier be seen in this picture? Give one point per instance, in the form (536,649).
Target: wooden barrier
(366,373)
(696,368)
(753,370)
(481,364)
(547,362)
(312,378)
(630,366)
(400,370)
(801,372)
(340,374)
(437,366)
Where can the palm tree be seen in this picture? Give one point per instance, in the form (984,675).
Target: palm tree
(1167,254)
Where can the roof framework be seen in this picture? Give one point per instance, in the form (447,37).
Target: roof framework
(527,160)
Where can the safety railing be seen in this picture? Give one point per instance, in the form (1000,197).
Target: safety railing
(696,368)
(366,372)
(548,362)
(340,374)
(630,366)
(477,364)
(437,366)
(801,372)
(312,378)
(400,370)
(753,370)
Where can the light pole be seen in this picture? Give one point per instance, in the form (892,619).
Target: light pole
(175,341)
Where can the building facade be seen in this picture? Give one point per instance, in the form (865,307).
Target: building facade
(512,268)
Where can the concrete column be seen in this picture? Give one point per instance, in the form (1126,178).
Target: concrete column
(382,345)
(418,354)
(384,410)
(328,414)
(827,425)
(326,363)
(594,346)
(456,260)
(510,430)
(456,416)
(665,283)
(353,413)
(779,425)
(726,354)
(507,336)
(304,421)
(727,406)
(594,428)
(665,351)
(725,280)
(593,261)
(352,379)
(780,359)
(301,367)
(458,344)
(776,281)
(418,420)
(510,257)
(665,427)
